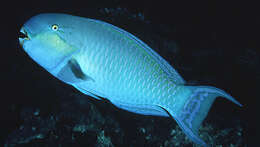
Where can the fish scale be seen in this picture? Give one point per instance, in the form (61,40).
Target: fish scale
(102,60)
(133,73)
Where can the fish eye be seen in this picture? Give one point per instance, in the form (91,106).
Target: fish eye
(54,27)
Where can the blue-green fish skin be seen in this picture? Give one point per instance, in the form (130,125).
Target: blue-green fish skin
(102,60)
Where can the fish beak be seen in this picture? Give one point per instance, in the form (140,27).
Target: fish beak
(23,35)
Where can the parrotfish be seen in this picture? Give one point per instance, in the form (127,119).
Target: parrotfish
(104,61)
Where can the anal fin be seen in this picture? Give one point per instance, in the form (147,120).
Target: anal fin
(87,93)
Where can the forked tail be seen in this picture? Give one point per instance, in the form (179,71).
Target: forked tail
(195,108)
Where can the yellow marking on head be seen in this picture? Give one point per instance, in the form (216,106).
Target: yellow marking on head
(53,41)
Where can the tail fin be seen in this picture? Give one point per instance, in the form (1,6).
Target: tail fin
(195,108)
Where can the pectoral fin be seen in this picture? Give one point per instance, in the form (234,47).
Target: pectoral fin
(72,73)
(76,70)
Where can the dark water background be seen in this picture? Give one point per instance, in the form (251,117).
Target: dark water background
(209,43)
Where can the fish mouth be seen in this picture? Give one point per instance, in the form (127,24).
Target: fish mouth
(23,35)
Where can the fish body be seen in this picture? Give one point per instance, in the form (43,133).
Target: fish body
(102,60)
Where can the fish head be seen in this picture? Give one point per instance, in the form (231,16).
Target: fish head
(50,39)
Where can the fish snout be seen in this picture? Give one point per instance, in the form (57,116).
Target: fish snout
(22,36)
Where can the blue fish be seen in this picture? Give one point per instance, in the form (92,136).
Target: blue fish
(102,60)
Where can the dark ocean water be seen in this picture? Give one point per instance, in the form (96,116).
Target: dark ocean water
(214,43)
